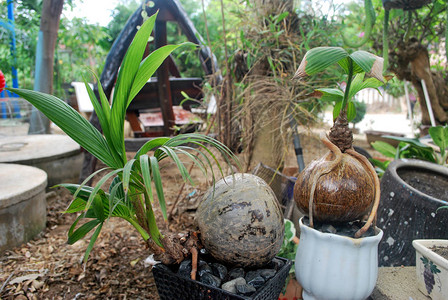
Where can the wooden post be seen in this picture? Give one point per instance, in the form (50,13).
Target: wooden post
(163,82)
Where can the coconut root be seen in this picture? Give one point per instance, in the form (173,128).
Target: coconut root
(176,247)
(376,181)
(322,171)
(194,262)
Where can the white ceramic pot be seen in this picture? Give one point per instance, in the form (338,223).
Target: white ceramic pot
(330,266)
(431,268)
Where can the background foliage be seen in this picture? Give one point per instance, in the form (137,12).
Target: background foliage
(256,38)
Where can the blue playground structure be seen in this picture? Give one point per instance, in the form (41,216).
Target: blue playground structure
(10,108)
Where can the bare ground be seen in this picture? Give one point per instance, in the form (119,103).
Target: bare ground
(48,268)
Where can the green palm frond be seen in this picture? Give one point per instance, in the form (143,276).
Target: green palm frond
(72,123)
(127,188)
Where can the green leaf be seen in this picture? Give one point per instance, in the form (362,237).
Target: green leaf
(412,141)
(82,231)
(126,76)
(331,95)
(146,174)
(103,112)
(152,224)
(77,205)
(151,145)
(72,123)
(73,226)
(320,58)
(155,170)
(117,182)
(351,111)
(337,109)
(380,164)
(384,148)
(439,135)
(356,85)
(364,60)
(98,207)
(117,207)
(127,174)
(344,63)
(84,191)
(92,242)
(83,184)
(98,186)
(290,230)
(180,166)
(149,66)
(411,150)
(372,83)
(195,158)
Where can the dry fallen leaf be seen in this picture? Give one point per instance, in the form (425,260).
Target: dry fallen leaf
(134,262)
(24,278)
(37,284)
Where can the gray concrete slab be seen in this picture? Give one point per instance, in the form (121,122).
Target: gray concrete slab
(30,149)
(22,204)
(58,155)
(19,183)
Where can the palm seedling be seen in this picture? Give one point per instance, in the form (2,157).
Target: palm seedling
(342,185)
(133,182)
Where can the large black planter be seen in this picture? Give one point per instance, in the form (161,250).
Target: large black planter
(171,286)
(405,4)
(411,193)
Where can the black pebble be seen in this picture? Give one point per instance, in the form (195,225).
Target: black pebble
(210,279)
(185,268)
(245,289)
(275,264)
(204,268)
(219,270)
(236,272)
(267,273)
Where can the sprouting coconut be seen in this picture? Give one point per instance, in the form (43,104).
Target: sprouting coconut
(341,186)
(240,221)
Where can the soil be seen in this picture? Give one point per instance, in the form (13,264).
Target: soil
(430,183)
(442,251)
(48,268)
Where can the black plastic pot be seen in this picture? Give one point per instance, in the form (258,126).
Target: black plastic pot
(411,193)
(405,4)
(173,286)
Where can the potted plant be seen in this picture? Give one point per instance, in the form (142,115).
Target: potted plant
(432,267)
(129,185)
(339,188)
(432,263)
(413,187)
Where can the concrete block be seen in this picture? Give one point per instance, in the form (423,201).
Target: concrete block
(58,155)
(22,204)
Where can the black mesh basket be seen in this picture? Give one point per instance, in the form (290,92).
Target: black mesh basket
(172,286)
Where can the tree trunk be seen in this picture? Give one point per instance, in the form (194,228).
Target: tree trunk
(43,81)
(421,69)
(411,63)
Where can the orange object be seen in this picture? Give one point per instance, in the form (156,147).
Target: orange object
(293,291)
